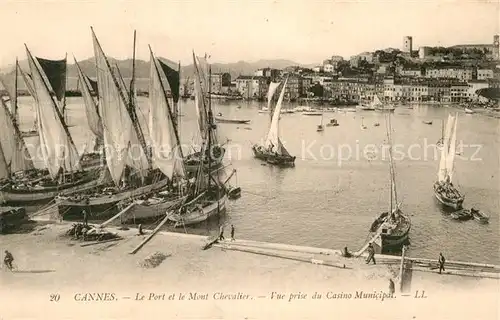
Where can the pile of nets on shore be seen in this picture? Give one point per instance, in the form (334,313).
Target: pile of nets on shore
(153,260)
(80,231)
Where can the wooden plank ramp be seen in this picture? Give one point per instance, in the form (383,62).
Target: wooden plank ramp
(359,252)
(150,236)
(119,214)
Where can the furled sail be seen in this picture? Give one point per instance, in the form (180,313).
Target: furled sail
(199,99)
(376,101)
(15,152)
(273,142)
(56,144)
(450,159)
(91,108)
(166,149)
(120,138)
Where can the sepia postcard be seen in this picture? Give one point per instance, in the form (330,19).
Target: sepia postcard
(250,159)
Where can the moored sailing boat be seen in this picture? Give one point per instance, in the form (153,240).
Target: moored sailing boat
(273,151)
(128,162)
(320,125)
(57,147)
(444,190)
(208,195)
(390,231)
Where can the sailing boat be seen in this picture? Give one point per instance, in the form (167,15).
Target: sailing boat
(57,147)
(380,106)
(273,151)
(444,190)
(128,161)
(202,100)
(390,231)
(320,125)
(371,106)
(362,124)
(207,196)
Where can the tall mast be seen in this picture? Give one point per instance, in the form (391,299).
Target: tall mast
(14,111)
(132,81)
(209,125)
(65,84)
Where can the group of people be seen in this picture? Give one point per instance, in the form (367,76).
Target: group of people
(221,232)
(449,190)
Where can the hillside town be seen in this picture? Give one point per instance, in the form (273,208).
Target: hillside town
(457,74)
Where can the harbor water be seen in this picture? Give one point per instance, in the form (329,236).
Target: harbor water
(341,180)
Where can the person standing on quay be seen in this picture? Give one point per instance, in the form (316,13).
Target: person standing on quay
(391,287)
(371,254)
(232,233)
(441,261)
(221,232)
(85,218)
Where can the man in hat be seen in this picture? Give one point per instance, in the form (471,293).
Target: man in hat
(8,259)
(441,260)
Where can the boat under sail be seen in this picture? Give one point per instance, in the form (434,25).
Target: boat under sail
(390,231)
(128,162)
(273,151)
(444,190)
(57,148)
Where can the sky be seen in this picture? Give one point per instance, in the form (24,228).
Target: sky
(306,31)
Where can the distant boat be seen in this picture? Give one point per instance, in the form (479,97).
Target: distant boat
(350,110)
(312,113)
(479,216)
(332,123)
(362,124)
(264,110)
(469,111)
(376,124)
(222,120)
(427,122)
(462,215)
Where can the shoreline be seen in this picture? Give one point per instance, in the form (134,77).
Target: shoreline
(51,264)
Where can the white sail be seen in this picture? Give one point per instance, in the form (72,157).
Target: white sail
(57,147)
(199,99)
(272,142)
(443,172)
(376,101)
(91,111)
(273,86)
(15,151)
(120,139)
(166,151)
(450,159)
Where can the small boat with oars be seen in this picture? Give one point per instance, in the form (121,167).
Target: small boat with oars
(462,215)
(333,123)
(469,111)
(225,120)
(479,216)
(320,127)
(273,151)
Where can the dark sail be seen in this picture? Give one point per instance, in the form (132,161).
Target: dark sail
(55,70)
(173,80)
(93,85)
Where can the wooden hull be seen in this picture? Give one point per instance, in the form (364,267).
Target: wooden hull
(394,242)
(192,163)
(98,205)
(143,211)
(221,120)
(28,134)
(196,215)
(278,160)
(453,203)
(13,196)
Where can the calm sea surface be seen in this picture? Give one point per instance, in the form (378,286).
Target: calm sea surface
(330,198)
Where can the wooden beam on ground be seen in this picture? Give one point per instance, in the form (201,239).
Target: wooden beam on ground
(150,236)
(119,214)
(98,242)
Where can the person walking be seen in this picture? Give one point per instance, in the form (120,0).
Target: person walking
(9,258)
(221,232)
(232,233)
(371,254)
(441,261)
(391,287)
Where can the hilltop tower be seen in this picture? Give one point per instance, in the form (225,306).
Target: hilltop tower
(407,44)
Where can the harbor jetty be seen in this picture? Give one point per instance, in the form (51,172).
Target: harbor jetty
(232,279)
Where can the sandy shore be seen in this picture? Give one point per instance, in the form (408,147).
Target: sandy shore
(49,264)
